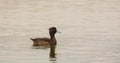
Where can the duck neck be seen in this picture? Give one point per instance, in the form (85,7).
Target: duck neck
(52,39)
(52,36)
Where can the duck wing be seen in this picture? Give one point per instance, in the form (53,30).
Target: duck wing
(41,39)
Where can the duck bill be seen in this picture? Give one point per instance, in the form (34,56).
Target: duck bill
(58,32)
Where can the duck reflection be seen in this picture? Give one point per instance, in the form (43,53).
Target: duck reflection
(52,53)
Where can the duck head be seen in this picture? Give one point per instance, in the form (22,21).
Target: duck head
(52,30)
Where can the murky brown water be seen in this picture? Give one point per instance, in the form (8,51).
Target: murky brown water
(90,30)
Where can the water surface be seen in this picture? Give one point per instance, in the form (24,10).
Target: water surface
(90,30)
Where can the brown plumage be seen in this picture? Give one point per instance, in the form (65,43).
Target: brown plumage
(46,41)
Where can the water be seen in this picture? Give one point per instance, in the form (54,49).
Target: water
(90,30)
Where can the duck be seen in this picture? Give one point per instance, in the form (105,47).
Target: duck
(46,41)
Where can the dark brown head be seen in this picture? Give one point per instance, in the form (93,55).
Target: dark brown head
(52,31)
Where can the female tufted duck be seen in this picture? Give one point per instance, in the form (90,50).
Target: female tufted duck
(46,41)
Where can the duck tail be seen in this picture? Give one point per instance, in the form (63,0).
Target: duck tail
(32,39)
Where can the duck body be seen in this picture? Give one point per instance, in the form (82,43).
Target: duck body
(41,41)
(46,41)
